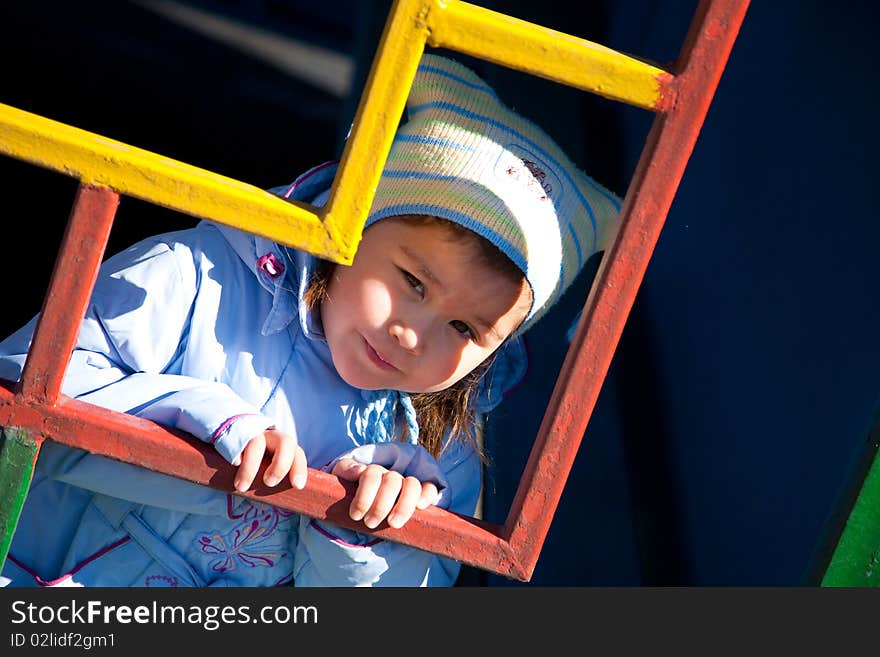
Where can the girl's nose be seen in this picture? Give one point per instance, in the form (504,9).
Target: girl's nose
(406,335)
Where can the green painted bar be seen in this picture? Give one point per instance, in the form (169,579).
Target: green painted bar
(856,559)
(17,456)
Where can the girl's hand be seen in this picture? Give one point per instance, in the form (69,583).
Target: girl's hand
(384,493)
(288,458)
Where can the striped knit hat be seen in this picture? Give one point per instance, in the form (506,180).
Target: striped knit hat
(465,157)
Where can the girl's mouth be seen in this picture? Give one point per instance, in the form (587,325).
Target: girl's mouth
(376,358)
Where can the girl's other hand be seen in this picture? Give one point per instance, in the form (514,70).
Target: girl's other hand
(288,458)
(384,494)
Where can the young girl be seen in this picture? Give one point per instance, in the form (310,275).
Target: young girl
(376,372)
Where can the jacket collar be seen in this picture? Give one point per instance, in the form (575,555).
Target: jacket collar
(282,271)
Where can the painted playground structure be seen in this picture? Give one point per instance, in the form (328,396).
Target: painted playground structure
(33,410)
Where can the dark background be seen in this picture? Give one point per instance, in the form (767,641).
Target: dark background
(738,413)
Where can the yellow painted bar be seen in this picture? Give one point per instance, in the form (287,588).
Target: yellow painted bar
(543,52)
(476,31)
(379,112)
(485,34)
(334,232)
(94,159)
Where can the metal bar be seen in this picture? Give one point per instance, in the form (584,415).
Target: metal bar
(661,166)
(18,453)
(70,287)
(132,171)
(378,114)
(140,442)
(545,53)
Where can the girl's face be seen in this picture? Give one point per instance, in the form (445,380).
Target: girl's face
(417,309)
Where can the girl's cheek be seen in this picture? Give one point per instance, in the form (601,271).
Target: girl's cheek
(455,365)
(471,359)
(377,299)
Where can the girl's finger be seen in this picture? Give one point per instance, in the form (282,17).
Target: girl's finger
(299,470)
(430,495)
(410,493)
(369,481)
(385,498)
(284,451)
(348,469)
(251,458)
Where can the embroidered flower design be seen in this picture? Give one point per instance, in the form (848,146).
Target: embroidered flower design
(248,543)
(163,581)
(269,515)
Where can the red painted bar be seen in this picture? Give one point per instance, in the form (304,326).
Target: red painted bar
(687,97)
(70,287)
(146,444)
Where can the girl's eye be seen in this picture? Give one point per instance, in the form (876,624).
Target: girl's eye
(462,328)
(413,282)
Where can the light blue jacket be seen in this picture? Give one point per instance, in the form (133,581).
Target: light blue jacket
(204,330)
